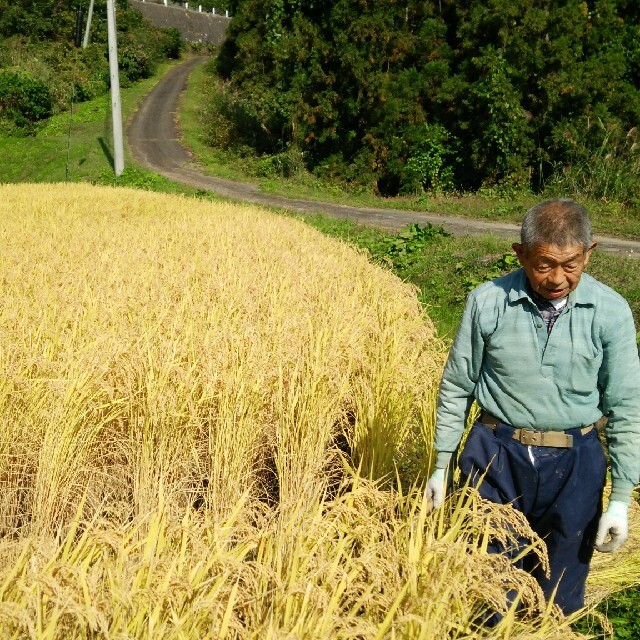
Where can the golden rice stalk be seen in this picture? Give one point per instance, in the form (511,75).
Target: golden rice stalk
(309,405)
(156,345)
(368,564)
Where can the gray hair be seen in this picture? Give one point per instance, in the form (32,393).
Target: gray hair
(559,221)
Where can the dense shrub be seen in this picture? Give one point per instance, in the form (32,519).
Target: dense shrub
(36,43)
(408,95)
(23,98)
(135,62)
(35,18)
(172,44)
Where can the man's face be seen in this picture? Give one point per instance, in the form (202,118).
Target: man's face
(553,271)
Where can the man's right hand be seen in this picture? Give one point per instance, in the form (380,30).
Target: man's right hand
(436,487)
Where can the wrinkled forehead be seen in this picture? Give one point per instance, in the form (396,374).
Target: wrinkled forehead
(555,253)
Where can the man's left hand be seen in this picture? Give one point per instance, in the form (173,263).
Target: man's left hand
(615,523)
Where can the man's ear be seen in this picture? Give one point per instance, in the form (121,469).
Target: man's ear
(520,251)
(587,253)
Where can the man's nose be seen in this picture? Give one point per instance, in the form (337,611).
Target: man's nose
(556,276)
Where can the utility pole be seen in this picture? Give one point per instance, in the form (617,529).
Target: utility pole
(116,110)
(86,31)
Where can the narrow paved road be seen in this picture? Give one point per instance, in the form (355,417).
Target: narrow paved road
(153,137)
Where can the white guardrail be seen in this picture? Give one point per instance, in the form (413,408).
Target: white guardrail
(185,5)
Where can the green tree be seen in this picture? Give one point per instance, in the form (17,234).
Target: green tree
(518,89)
(335,80)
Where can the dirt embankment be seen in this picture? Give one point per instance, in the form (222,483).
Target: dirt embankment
(193,26)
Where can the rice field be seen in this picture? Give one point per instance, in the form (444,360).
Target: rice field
(202,406)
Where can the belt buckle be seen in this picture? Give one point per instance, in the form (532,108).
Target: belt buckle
(531,437)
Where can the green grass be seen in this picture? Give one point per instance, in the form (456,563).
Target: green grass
(449,267)
(621,610)
(43,157)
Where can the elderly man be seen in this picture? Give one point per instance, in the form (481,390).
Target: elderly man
(546,351)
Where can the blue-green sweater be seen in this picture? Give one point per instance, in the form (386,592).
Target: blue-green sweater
(586,367)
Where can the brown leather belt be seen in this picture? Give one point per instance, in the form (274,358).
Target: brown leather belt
(535,438)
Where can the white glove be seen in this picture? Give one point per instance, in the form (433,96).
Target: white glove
(436,486)
(613,522)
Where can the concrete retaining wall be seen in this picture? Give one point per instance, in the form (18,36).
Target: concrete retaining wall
(193,26)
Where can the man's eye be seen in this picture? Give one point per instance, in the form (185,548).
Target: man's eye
(570,267)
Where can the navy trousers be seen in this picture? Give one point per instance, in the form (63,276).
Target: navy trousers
(559,491)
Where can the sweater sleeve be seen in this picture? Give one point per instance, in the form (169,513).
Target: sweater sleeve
(619,382)
(458,383)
